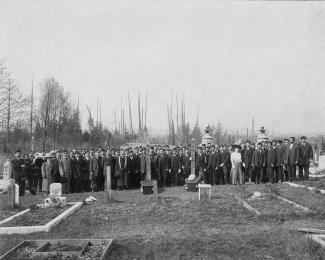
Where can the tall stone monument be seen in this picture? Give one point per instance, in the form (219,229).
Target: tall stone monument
(207,138)
(262,136)
(4,182)
(193,156)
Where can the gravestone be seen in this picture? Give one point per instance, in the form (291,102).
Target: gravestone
(108,182)
(55,190)
(6,170)
(148,163)
(11,194)
(204,192)
(147,186)
(191,182)
(16,195)
(193,156)
(155,189)
(4,182)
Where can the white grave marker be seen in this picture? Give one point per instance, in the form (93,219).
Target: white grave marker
(6,170)
(55,190)
(205,192)
(16,195)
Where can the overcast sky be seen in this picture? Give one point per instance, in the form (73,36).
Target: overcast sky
(233,60)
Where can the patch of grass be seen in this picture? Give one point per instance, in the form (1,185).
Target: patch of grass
(178,226)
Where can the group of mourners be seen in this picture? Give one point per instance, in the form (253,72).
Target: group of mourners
(85,171)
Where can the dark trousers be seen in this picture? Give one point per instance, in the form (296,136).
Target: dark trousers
(214,176)
(303,172)
(136,180)
(225,174)
(258,172)
(291,172)
(248,173)
(39,182)
(21,182)
(175,177)
(32,183)
(263,175)
(220,176)
(279,173)
(271,174)
(202,175)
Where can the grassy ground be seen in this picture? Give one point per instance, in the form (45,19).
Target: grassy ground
(317,183)
(178,226)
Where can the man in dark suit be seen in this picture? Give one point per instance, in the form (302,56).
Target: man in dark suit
(259,162)
(175,168)
(213,165)
(95,167)
(133,170)
(279,161)
(285,168)
(224,164)
(79,172)
(271,162)
(291,158)
(306,157)
(247,161)
(17,165)
(65,168)
(121,171)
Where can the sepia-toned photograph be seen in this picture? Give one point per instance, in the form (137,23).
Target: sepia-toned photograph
(159,129)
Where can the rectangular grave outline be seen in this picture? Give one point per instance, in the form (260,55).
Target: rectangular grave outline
(42,228)
(43,241)
(317,238)
(304,187)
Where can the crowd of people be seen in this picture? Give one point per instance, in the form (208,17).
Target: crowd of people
(85,171)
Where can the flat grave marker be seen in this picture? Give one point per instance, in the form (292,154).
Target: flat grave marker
(205,192)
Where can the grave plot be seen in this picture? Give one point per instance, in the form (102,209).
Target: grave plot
(87,249)
(312,200)
(37,219)
(319,184)
(266,202)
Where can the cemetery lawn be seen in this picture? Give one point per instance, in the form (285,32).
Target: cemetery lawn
(316,182)
(36,217)
(178,226)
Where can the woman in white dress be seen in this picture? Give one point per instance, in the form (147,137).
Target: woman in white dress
(236,166)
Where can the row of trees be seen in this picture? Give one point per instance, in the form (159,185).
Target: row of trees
(50,122)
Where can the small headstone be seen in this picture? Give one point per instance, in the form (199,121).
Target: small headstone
(11,194)
(155,189)
(146,187)
(16,195)
(108,182)
(6,170)
(204,192)
(55,190)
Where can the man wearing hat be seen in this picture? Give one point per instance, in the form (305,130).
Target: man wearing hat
(17,165)
(305,158)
